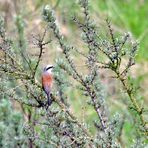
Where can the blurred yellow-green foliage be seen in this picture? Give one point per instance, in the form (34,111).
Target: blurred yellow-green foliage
(24,18)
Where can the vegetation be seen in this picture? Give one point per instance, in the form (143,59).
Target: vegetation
(97,98)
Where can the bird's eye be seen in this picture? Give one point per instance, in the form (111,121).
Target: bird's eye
(49,67)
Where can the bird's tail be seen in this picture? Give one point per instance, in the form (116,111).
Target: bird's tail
(49,100)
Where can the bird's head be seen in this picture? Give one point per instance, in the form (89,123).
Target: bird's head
(48,68)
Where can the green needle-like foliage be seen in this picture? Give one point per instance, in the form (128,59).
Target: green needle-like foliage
(59,126)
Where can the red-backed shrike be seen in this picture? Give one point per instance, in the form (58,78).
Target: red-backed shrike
(47,81)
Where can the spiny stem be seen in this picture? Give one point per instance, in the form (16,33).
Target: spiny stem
(75,120)
(138,109)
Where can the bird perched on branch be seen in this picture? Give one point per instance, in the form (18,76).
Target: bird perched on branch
(47,82)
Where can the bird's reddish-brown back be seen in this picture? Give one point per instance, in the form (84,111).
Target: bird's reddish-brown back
(47,80)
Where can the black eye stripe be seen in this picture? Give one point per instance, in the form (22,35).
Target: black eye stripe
(49,67)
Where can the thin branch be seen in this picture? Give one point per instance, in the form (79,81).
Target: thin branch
(40,43)
(75,120)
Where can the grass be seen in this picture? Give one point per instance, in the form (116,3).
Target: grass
(128,15)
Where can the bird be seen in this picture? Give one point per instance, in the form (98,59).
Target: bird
(47,82)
